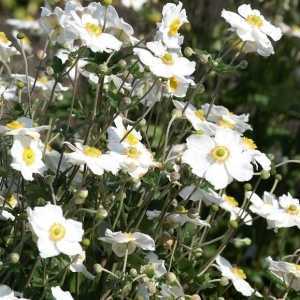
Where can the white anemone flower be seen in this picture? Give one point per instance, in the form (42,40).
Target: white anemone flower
(8,93)
(6,49)
(210,197)
(257,156)
(220,159)
(178,86)
(22,127)
(288,273)
(128,242)
(53,159)
(173,17)
(237,276)
(59,294)
(55,234)
(77,266)
(226,119)
(158,265)
(136,159)
(164,63)
(6,293)
(253,29)
(89,24)
(135,4)
(197,117)
(27,156)
(93,157)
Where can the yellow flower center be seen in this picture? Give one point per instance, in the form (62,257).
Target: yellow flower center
(3,38)
(57,232)
(226,122)
(93,29)
(174,27)
(173,83)
(28,156)
(293,209)
(231,201)
(220,153)
(249,143)
(131,139)
(181,209)
(92,151)
(14,125)
(132,152)
(11,201)
(129,236)
(297,267)
(43,79)
(254,20)
(238,272)
(200,114)
(168,59)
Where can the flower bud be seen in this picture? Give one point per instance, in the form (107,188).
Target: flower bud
(122,63)
(198,252)
(20,84)
(188,52)
(265,175)
(14,258)
(86,243)
(107,2)
(101,213)
(247,187)
(215,207)
(98,268)
(224,281)
(238,243)
(103,68)
(233,224)
(278,177)
(20,35)
(171,278)
(133,272)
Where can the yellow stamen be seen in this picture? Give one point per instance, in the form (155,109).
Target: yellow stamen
(131,139)
(173,83)
(43,79)
(57,232)
(168,59)
(14,125)
(130,236)
(226,122)
(132,152)
(3,38)
(93,29)
(11,200)
(92,151)
(249,143)
(231,201)
(28,156)
(293,209)
(220,153)
(174,27)
(200,114)
(181,209)
(238,273)
(254,20)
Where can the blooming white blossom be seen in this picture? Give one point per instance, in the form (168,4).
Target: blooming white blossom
(6,293)
(54,232)
(178,86)
(288,273)
(59,294)
(135,4)
(77,266)
(164,63)
(6,48)
(135,158)
(226,119)
(197,117)
(237,276)
(27,156)
(220,159)
(22,127)
(253,29)
(93,157)
(173,17)
(122,242)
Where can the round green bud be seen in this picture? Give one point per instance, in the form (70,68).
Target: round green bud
(198,252)
(247,187)
(171,278)
(233,224)
(14,258)
(97,268)
(122,64)
(107,2)
(101,213)
(142,123)
(20,35)
(133,272)
(265,175)
(86,243)
(247,241)
(224,281)
(278,177)
(188,52)
(83,193)
(103,68)
(20,84)
(215,207)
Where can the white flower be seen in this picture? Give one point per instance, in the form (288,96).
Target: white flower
(77,266)
(89,24)
(257,156)
(173,17)
(6,293)
(27,156)
(55,233)
(53,159)
(290,209)
(93,157)
(157,264)
(220,159)
(135,4)
(178,86)
(253,29)
(226,119)
(210,197)
(59,294)
(121,241)
(8,93)
(288,273)
(7,204)
(6,49)
(164,63)
(21,127)
(237,276)
(27,24)
(197,117)
(135,158)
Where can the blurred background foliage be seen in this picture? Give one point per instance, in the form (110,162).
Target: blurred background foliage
(267,88)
